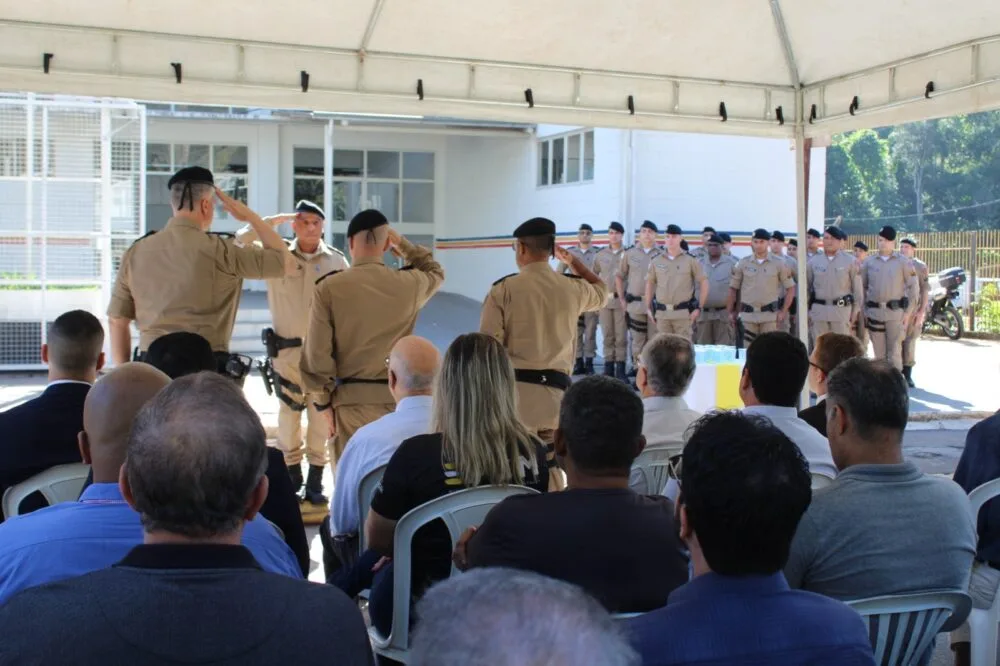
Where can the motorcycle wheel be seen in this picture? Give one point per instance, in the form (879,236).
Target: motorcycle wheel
(951,323)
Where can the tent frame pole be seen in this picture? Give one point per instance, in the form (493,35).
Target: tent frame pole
(801,180)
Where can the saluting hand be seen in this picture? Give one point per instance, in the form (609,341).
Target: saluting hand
(237,209)
(280,218)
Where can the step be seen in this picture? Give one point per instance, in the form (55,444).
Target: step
(247,315)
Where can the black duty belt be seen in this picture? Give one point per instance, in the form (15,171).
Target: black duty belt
(770,307)
(714,309)
(898,304)
(551,378)
(686,305)
(841,302)
(629,298)
(638,326)
(358,380)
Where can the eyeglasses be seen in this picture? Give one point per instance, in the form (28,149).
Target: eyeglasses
(818,367)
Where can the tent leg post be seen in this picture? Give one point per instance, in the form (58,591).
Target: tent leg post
(801,189)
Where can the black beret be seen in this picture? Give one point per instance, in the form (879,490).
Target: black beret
(761,234)
(366,220)
(649,225)
(684,245)
(674,230)
(793,242)
(861,246)
(194,174)
(536,226)
(909,241)
(616,226)
(726,238)
(814,233)
(306,206)
(887,233)
(715,238)
(836,232)
(778,236)
(708,230)
(586,227)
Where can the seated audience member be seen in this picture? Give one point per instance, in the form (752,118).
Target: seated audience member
(41,433)
(73,538)
(189,593)
(182,353)
(831,350)
(745,488)
(882,527)
(478,440)
(980,462)
(480,618)
(413,364)
(773,377)
(619,546)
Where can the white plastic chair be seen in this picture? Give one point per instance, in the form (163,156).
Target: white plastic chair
(820,481)
(366,491)
(901,627)
(656,465)
(983,621)
(61,483)
(459,510)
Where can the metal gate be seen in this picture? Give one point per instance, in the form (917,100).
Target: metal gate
(72,175)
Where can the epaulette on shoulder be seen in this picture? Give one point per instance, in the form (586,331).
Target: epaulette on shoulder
(571,275)
(224,235)
(503,278)
(323,277)
(145,235)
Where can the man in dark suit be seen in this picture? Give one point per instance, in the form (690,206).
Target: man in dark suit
(191,593)
(42,432)
(831,350)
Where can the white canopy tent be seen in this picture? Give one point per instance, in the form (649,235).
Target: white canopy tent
(773,68)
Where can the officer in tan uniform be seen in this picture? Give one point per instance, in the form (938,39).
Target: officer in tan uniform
(727,243)
(793,249)
(891,296)
(289,298)
(183,279)
(834,286)
(908,248)
(612,315)
(586,339)
(701,251)
(777,248)
(533,313)
(812,243)
(631,283)
(357,316)
(671,280)
(860,328)
(714,325)
(755,287)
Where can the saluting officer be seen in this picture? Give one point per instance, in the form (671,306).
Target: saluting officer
(183,279)
(586,339)
(631,283)
(670,282)
(714,325)
(834,284)
(891,296)
(908,248)
(612,315)
(357,315)
(755,287)
(533,314)
(290,298)
(860,327)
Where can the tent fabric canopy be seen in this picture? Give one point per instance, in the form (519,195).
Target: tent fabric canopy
(679,61)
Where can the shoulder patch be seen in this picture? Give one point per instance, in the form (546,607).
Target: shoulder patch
(145,235)
(224,235)
(323,277)
(503,278)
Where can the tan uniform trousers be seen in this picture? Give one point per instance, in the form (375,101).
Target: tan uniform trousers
(753,329)
(638,329)
(349,419)
(821,327)
(887,340)
(910,343)
(615,337)
(290,434)
(861,332)
(715,331)
(586,337)
(678,326)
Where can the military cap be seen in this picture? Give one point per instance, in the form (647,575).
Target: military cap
(674,230)
(708,230)
(366,220)
(861,246)
(715,238)
(761,234)
(909,241)
(814,233)
(189,176)
(306,206)
(793,242)
(836,232)
(586,227)
(726,238)
(778,236)
(887,233)
(536,226)
(649,225)
(616,226)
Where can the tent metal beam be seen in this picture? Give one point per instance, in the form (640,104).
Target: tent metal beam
(786,43)
(372,23)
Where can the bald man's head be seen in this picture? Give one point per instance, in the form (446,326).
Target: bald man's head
(413,365)
(108,412)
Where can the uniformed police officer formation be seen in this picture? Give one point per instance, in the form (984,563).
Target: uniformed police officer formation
(714,324)
(861,328)
(777,248)
(631,287)
(756,286)
(834,286)
(908,248)
(676,288)
(612,315)
(892,294)
(586,342)
(289,298)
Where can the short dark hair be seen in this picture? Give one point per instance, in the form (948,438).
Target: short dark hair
(601,422)
(195,455)
(832,349)
(181,353)
(670,364)
(538,244)
(745,486)
(777,364)
(75,341)
(872,393)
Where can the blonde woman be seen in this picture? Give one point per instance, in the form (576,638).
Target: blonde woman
(478,440)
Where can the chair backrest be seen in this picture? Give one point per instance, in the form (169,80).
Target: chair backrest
(981,495)
(366,490)
(820,481)
(61,483)
(657,465)
(901,627)
(459,510)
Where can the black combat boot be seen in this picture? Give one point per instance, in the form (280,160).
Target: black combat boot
(578,368)
(908,373)
(295,471)
(609,368)
(620,371)
(588,366)
(314,486)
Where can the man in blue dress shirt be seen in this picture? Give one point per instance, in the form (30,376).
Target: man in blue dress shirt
(744,488)
(74,538)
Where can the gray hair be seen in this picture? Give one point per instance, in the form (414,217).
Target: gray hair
(669,363)
(504,617)
(872,393)
(199,191)
(413,380)
(196,453)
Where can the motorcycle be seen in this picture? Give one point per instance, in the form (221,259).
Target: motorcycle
(943,312)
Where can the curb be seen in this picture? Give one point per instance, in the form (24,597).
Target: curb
(924,417)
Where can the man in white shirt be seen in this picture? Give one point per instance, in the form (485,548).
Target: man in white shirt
(413,364)
(666,367)
(775,372)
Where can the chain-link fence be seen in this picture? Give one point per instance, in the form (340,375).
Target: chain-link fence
(71,179)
